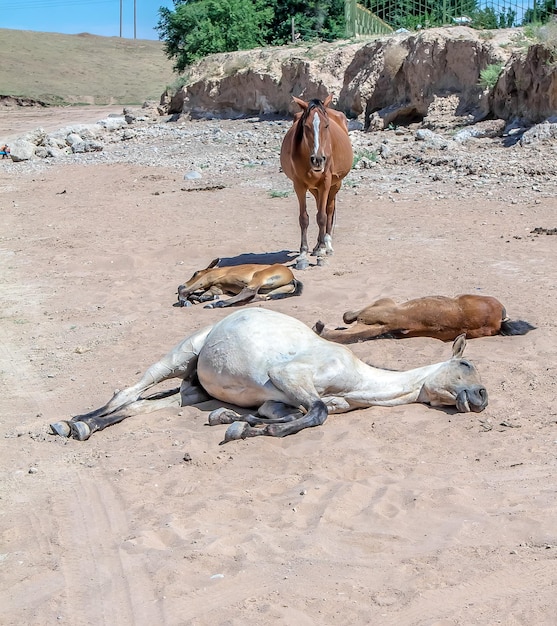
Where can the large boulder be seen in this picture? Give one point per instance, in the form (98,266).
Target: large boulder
(22,150)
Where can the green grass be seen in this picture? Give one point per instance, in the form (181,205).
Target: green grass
(490,75)
(364,154)
(82,69)
(275,193)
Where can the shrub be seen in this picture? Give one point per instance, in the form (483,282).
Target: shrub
(490,75)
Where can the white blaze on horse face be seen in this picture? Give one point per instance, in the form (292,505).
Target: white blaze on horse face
(316,123)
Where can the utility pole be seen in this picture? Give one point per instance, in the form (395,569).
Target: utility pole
(135,19)
(121,14)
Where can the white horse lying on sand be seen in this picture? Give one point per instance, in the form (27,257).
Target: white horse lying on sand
(260,358)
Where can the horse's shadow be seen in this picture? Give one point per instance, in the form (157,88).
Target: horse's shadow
(263,258)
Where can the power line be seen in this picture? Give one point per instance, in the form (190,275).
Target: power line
(47,4)
(37,5)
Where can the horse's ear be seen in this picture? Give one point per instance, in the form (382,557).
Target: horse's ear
(328,100)
(213,263)
(459,345)
(300,102)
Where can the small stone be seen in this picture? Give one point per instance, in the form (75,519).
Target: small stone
(33,470)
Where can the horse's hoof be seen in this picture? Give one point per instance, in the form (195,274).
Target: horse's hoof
(80,430)
(186,303)
(318,327)
(321,261)
(219,304)
(236,430)
(302,264)
(209,306)
(222,416)
(61,428)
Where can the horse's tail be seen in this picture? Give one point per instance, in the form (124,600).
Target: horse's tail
(298,287)
(515,327)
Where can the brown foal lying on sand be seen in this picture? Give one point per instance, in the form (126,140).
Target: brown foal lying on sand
(251,282)
(432,316)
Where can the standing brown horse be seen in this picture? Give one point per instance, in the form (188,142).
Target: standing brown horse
(316,154)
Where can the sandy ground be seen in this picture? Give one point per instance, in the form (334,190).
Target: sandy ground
(15,121)
(403,516)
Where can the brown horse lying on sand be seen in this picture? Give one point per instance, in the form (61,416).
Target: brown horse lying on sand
(316,154)
(433,316)
(246,282)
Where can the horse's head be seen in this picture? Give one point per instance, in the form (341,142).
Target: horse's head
(195,282)
(455,382)
(313,127)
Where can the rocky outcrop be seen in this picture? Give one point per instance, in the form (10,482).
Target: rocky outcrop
(19,101)
(398,78)
(527,87)
(393,79)
(262,81)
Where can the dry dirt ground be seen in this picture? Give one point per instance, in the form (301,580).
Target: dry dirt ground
(405,516)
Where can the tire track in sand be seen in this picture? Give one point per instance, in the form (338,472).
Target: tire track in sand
(103,583)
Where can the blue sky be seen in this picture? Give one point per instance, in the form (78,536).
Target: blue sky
(98,17)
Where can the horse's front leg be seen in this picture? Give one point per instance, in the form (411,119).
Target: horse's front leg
(251,426)
(302,261)
(295,380)
(331,208)
(324,240)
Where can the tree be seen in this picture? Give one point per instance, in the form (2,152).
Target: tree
(313,19)
(197,28)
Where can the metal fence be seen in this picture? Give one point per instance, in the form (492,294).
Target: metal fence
(361,21)
(382,16)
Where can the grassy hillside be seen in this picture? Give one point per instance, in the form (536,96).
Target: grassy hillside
(82,68)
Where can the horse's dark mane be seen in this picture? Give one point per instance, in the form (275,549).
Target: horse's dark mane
(312,104)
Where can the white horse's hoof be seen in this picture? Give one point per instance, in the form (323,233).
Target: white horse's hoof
(222,416)
(61,428)
(318,327)
(321,261)
(302,264)
(235,431)
(80,430)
